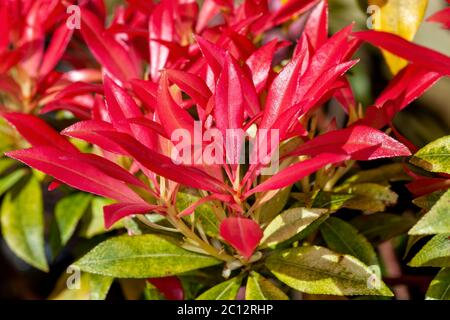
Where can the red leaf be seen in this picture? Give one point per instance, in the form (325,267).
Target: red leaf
(171,115)
(414,53)
(214,55)
(77,89)
(120,105)
(193,85)
(170,287)
(407,86)
(316,27)
(56,48)
(146,91)
(161,27)
(208,10)
(241,233)
(423,186)
(260,63)
(71,169)
(358,141)
(37,132)
(442,17)
(297,172)
(289,9)
(106,49)
(164,166)
(118,211)
(229,104)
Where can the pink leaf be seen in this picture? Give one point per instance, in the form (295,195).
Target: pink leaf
(358,141)
(316,27)
(171,115)
(193,85)
(297,172)
(55,51)
(118,211)
(106,49)
(37,132)
(146,91)
(260,63)
(228,108)
(71,169)
(161,27)
(164,166)
(412,52)
(242,234)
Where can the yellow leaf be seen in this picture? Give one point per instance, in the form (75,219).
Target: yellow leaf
(400,17)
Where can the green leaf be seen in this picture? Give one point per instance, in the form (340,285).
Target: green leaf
(318,270)
(259,288)
(99,286)
(390,172)
(342,237)
(11,179)
(435,156)
(427,201)
(92,223)
(226,290)
(203,213)
(6,163)
(435,253)
(152,293)
(369,197)
(382,226)
(331,201)
(439,288)
(22,222)
(142,256)
(68,212)
(271,208)
(288,224)
(86,287)
(437,220)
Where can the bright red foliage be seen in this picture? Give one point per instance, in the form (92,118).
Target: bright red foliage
(223,79)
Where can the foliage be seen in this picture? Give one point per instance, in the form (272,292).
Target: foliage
(96,110)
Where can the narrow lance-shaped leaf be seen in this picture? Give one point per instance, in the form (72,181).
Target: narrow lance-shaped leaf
(22,222)
(317,270)
(228,108)
(288,224)
(297,171)
(342,237)
(435,156)
(161,27)
(439,288)
(55,50)
(358,141)
(226,290)
(435,253)
(68,212)
(414,53)
(37,132)
(437,220)
(144,256)
(72,170)
(106,49)
(259,288)
(193,85)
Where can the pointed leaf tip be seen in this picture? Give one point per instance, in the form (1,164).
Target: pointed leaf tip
(241,233)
